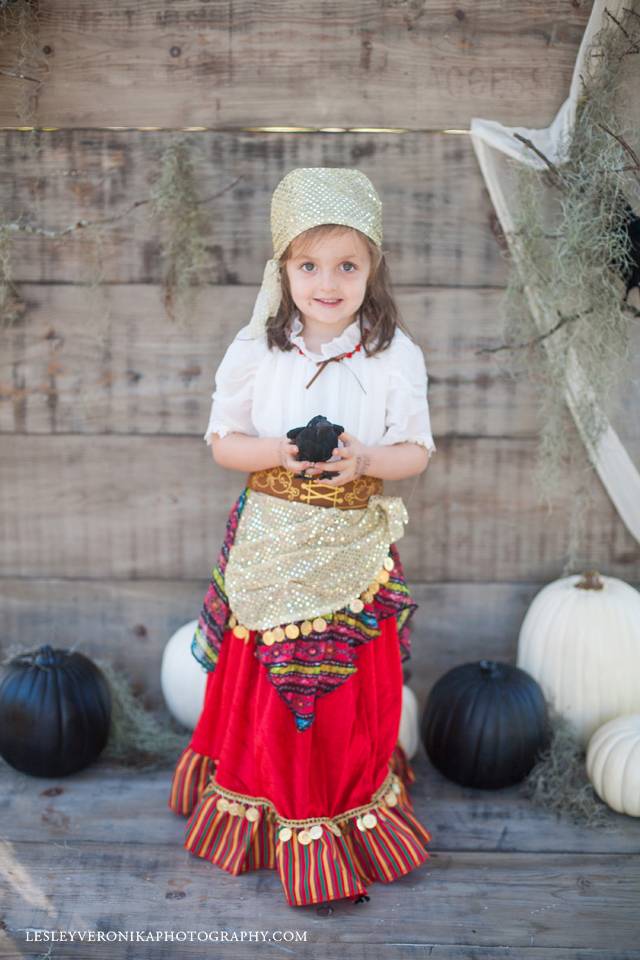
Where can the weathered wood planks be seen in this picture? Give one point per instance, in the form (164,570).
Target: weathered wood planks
(398,64)
(504,879)
(438,218)
(91,804)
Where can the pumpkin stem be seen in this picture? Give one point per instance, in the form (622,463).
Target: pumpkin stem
(45,656)
(487,667)
(590,581)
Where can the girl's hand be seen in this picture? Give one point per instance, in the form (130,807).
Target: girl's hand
(355,461)
(287,451)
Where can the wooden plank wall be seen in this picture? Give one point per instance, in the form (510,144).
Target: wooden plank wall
(112,509)
(401,63)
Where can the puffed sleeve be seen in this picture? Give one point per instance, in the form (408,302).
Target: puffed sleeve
(232,398)
(407,417)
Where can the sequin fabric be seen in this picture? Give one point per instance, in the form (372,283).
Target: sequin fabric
(310,196)
(291,560)
(310,666)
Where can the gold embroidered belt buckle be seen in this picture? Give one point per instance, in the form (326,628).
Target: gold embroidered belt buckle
(282,483)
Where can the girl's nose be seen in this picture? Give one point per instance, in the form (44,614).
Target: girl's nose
(326,280)
(328,289)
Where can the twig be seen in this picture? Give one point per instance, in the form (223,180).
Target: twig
(552,167)
(635,47)
(19,76)
(530,343)
(219,194)
(625,146)
(634,43)
(80,224)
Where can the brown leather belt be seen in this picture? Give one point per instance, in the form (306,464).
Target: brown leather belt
(282,483)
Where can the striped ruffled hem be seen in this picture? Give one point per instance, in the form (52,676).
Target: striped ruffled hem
(318,859)
(190,779)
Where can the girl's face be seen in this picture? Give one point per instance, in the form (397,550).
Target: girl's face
(328,280)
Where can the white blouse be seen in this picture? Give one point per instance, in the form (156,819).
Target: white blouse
(380,399)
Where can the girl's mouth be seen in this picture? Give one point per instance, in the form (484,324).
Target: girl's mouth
(328,303)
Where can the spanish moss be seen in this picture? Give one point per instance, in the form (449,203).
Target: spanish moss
(572,264)
(176,204)
(19,23)
(559,782)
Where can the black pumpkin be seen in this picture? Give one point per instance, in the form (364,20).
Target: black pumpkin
(55,712)
(484,724)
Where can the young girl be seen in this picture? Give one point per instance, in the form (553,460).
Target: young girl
(295,764)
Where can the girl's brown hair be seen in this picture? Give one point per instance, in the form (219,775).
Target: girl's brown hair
(378,306)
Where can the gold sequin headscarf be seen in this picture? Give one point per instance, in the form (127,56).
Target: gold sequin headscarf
(305,198)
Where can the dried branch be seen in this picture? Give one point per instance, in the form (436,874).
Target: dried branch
(635,46)
(80,224)
(534,340)
(625,146)
(19,76)
(552,167)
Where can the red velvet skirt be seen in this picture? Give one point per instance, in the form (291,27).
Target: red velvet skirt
(326,806)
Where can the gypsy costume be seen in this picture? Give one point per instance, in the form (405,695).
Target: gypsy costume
(294,763)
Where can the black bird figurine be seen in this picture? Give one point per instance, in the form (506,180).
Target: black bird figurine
(316,442)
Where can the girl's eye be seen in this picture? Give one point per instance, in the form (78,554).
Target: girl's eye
(309,264)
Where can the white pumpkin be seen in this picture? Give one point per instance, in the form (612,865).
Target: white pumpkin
(182,678)
(613,763)
(409,731)
(580,639)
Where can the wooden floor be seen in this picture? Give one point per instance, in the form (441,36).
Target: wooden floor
(101,851)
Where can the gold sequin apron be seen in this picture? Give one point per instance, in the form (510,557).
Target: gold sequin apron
(294,561)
